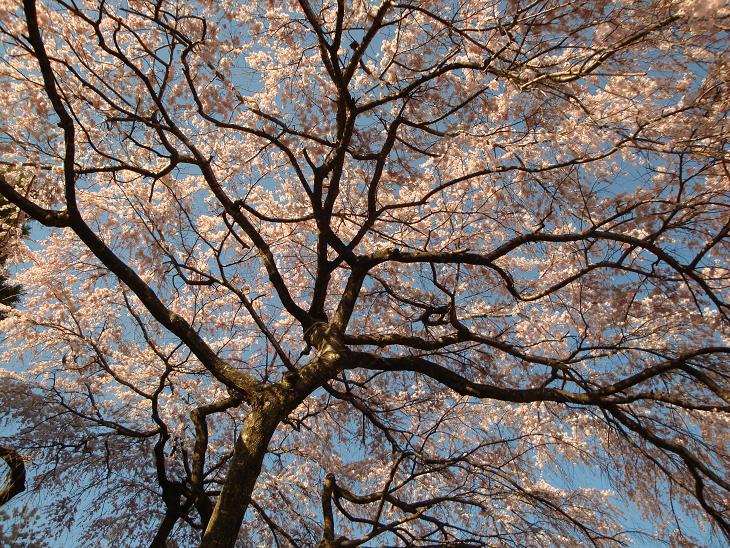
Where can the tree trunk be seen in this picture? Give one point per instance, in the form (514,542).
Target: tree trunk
(244,470)
(165,528)
(15,483)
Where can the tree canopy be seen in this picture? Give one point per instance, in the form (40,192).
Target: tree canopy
(419,273)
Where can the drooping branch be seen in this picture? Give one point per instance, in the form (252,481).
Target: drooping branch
(602,396)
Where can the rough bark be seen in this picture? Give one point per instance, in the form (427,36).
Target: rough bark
(244,470)
(15,483)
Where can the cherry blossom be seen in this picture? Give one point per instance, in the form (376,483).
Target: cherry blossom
(368,273)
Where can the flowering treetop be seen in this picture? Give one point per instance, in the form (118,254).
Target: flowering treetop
(386,273)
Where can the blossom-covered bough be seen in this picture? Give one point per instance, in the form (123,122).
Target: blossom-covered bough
(370,273)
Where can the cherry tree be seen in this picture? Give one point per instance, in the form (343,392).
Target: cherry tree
(416,273)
